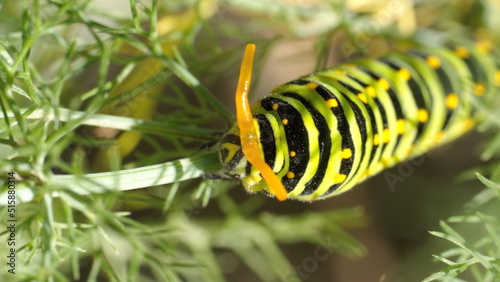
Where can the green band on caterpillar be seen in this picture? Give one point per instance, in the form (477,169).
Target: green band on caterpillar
(324,133)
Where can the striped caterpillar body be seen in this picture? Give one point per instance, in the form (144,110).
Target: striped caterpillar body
(328,131)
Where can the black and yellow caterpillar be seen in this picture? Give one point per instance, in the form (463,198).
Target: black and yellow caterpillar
(320,135)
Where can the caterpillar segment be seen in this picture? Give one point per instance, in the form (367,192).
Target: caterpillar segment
(322,134)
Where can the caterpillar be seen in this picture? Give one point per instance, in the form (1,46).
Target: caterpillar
(320,135)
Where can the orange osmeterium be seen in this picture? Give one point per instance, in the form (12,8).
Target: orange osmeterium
(248,134)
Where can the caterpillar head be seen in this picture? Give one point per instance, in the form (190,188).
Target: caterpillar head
(241,145)
(237,166)
(231,155)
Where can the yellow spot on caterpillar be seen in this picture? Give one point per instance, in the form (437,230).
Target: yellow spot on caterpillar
(376,139)
(439,137)
(362,97)
(497,78)
(452,101)
(410,150)
(332,103)
(469,123)
(290,175)
(462,52)
(312,85)
(386,136)
(404,74)
(422,115)
(401,126)
(346,153)
(388,161)
(275,107)
(433,62)
(284,121)
(339,72)
(484,46)
(479,89)
(293,154)
(339,178)
(384,83)
(256,177)
(371,91)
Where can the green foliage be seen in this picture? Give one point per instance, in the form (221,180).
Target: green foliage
(476,254)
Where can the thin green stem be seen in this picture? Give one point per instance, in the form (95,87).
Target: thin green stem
(121,123)
(127,179)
